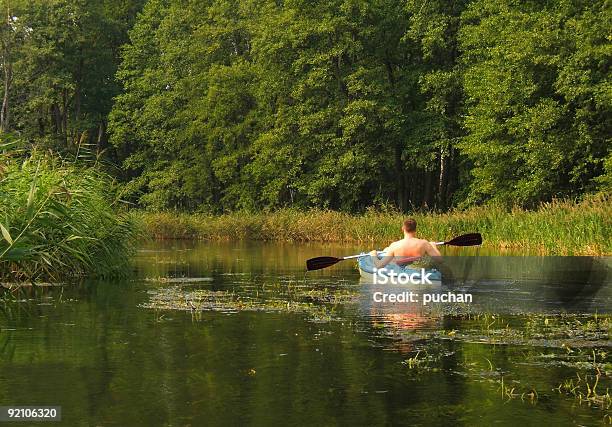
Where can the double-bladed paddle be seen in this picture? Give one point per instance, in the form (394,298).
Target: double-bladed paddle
(318,263)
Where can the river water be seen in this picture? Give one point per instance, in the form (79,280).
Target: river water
(238,334)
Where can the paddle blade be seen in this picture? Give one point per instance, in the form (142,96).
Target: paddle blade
(321,262)
(471,239)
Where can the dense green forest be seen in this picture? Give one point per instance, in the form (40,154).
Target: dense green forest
(221,105)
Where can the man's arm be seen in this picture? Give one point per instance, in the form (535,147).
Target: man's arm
(379,263)
(432,250)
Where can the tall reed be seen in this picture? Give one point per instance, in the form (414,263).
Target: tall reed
(560,227)
(59,220)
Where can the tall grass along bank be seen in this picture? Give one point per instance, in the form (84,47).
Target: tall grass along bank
(58,221)
(557,228)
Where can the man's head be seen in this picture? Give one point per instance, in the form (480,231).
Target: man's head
(409,225)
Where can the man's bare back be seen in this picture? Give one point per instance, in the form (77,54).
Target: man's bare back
(411,247)
(408,247)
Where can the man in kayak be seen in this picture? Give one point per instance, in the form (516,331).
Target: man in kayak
(409,249)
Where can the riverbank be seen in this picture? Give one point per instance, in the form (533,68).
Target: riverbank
(557,228)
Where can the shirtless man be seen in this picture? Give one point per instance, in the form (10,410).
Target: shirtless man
(409,246)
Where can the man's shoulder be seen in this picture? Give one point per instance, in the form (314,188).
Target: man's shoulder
(395,245)
(425,243)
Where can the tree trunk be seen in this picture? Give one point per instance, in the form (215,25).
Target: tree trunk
(41,125)
(77,101)
(428,184)
(442,179)
(8,76)
(102,140)
(451,177)
(64,124)
(7,67)
(399,178)
(56,114)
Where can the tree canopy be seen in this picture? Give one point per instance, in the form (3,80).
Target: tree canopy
(220,105)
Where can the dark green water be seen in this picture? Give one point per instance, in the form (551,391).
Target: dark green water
(277,352)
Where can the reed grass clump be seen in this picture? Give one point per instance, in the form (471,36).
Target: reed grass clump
(59,221)
(556,228)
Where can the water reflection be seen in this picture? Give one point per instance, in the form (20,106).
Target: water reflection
(110,358)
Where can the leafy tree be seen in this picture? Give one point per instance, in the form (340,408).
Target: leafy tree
(537,90)
(346,103)
(62,56)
